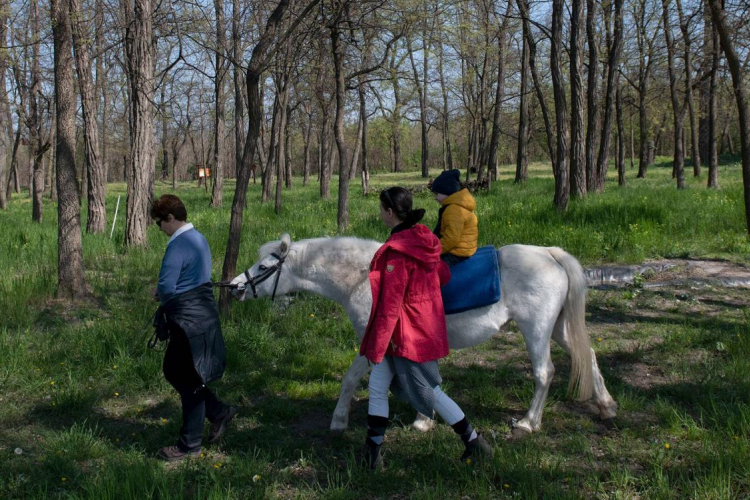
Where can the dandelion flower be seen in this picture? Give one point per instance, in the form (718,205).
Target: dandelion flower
(312,315)
(599,339)
(163,420)
(256,478)
(666,445)
(506,486)
(117,394)
(52,382)
(63,479)
(468,461)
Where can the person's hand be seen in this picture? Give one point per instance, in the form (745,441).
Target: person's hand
(155,294)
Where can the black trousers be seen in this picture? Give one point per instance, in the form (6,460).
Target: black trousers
(198,402)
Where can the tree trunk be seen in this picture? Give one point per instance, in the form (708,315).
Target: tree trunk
(645,41)
(325,155)
(499,91)
(632,139)
(522,155)
(140,61)
(70,273)
(735,69)
(219,100)
(53,161)
(421,84)
(365,166)
(14,183)
(562,186)
(36,148)
(713,156)
(592,96)
(612,83)
(620,138)
(288,152)
(280,162)
(677,109)
(306,152)
(239,111)
(447,154)
(523,7)
(96,221)
(694,147)
(5,123)
(337,51)
(578,146)
(269,171)
(100,90)
(396,122)
(164,136)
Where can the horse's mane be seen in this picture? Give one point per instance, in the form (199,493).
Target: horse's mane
(299,248)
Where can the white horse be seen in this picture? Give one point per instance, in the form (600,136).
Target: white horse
(542,289)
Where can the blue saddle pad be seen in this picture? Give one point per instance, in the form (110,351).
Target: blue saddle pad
(474,282)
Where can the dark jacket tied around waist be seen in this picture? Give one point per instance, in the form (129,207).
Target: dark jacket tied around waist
(195,312)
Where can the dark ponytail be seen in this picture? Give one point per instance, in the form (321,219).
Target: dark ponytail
(399,200)
(414,216)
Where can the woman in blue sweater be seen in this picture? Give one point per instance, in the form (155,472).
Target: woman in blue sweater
(195,354)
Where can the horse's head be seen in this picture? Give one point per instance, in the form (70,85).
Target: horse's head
(268,276)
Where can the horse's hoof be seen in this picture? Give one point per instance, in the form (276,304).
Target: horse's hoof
(609,423)
(423,425)
(519,433)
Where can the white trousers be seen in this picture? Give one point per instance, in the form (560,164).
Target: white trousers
(380,381)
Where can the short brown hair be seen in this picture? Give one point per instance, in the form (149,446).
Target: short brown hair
(169,204)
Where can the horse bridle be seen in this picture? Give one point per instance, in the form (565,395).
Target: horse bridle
(257,280)
(254,281)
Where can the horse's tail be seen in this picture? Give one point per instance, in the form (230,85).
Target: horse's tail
(574,316)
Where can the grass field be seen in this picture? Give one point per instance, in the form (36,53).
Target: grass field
(84,407)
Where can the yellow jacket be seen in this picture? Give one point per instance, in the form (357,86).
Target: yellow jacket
(458,227)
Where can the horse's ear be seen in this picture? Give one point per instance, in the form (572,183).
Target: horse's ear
(286,243)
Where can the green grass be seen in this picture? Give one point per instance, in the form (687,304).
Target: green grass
(86,404)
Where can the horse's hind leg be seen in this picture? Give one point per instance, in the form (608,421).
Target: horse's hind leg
(537,336)
(354,374)
(607,406)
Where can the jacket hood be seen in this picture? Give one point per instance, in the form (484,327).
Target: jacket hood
(417,242)
(463,199)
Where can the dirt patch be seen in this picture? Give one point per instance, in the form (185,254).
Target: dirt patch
(705,272)
(641,375)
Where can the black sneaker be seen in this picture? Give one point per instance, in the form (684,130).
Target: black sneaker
(476,449)
(370,456)
(174,453)
(219,425)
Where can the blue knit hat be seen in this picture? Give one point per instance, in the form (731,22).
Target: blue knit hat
(448,182)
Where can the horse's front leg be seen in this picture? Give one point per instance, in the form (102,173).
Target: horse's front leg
(354,374)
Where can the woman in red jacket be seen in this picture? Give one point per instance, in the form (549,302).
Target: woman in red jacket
(406,333)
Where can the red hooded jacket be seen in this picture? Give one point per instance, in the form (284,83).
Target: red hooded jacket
(407,318)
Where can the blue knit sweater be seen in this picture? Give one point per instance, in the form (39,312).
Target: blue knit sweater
(186,265)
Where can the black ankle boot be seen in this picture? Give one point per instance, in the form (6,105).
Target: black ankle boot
(370,456)
(476,449)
